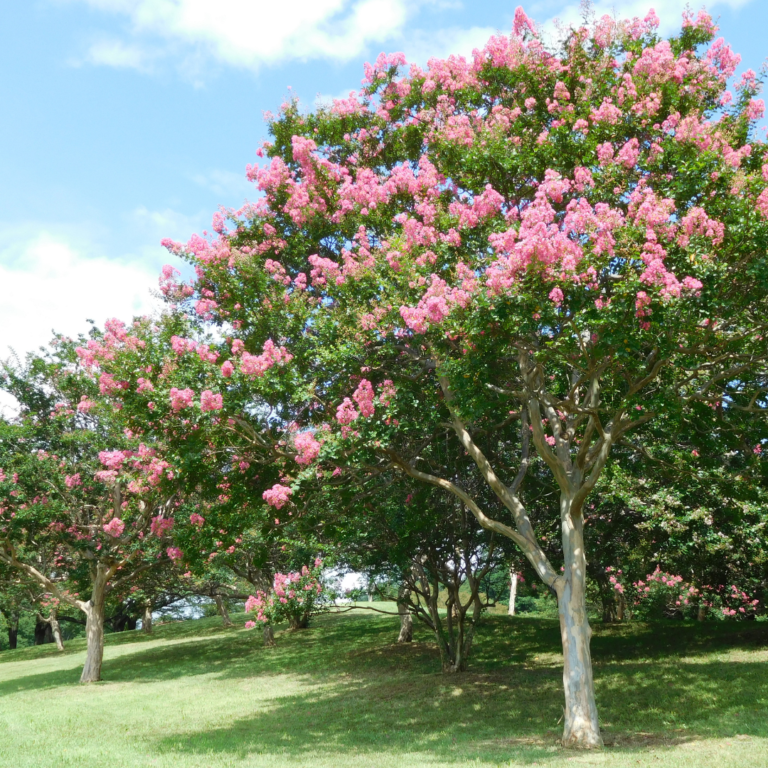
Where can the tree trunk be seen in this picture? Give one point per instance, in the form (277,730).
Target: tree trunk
(269,636)
(13,631)
(94,627)
(512,592)
(146,621)
(581,729)
(406,620)
(43,633)
(701,614)
(53,621)
(221,607)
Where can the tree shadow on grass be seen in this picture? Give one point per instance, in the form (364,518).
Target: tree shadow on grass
(509,714)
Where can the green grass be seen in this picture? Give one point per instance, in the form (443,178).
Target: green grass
(342,694)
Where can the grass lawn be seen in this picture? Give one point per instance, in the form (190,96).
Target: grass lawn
(343,694)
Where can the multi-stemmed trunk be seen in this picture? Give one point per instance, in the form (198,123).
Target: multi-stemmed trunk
(581,728)
(406,619)
(269,636)
(221,607)
(94,627)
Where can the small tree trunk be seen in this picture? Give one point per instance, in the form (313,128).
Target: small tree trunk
(221,607)
(94,627)
(53,621)
(406,620)
(581,728)
(701,614)
(146,621)
(13,631)
(43,633)
(512,592)
(269,636)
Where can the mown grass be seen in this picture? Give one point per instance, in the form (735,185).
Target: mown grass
(343,694)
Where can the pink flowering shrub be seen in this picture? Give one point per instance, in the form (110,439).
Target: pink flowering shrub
(294,597)
(667,595)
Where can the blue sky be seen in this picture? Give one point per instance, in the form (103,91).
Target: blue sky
(126,121)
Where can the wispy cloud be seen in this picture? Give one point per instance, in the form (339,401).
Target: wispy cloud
(252,33)
(115,53)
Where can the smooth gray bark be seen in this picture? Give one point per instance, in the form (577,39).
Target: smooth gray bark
(94,627)
(512,592)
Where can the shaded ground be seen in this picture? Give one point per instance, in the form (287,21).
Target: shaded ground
(343,694)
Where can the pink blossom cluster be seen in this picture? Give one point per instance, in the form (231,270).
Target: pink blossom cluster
(196,519)
(258,365)
(114,527)
(161,526)
(174,553)
(181,398)
(210,401)
(277,496)
(307,447)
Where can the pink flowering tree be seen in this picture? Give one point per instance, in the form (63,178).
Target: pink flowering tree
(98,502)
(293,598)
(226,420)
(532,254)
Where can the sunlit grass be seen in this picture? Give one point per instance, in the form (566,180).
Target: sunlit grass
(344,694)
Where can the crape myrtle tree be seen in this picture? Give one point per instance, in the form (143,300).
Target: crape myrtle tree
(168,380)
(422,539)
(73,484)
(565,241)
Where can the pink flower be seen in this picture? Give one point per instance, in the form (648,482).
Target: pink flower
(112,459)
(161,525)
(277,495)
(174,553)
(307,447)
(114,527)
(196,519)
(556,296)
(250,624)
(346,413)
(227,369)
(72,480)
(363,396)
(210,401)
(605,153)
(181,398)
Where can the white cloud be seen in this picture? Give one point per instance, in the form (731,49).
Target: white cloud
(53,283)
(250,33)
(114,53)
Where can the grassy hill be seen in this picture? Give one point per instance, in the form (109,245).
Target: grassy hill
(342,694)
